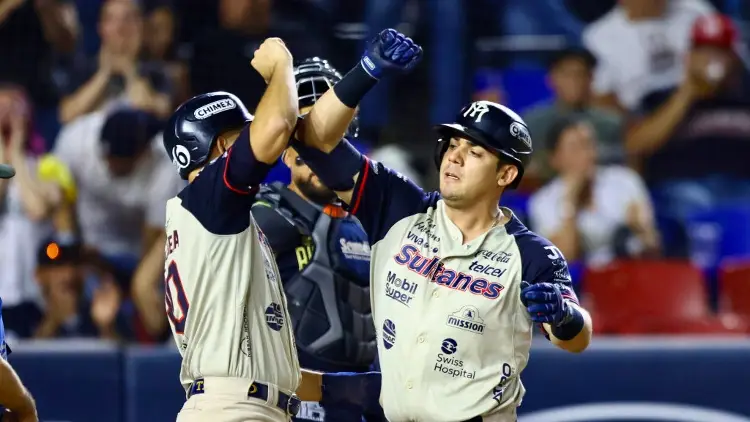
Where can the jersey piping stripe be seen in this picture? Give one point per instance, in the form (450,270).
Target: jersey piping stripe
(365,173)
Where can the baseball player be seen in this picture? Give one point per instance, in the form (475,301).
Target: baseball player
(224,297)
(16,403)
(457,283)
(324,260)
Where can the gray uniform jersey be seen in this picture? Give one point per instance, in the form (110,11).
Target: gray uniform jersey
(453,333)
(224,297)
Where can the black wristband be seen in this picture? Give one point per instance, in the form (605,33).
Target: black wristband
(335,169)
(354,86)
(571,327)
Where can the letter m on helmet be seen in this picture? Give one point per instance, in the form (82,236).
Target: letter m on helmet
(476,110)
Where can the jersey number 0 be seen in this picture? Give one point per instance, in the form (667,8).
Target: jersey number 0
(176,301)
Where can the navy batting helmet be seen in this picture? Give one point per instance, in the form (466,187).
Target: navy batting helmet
(493,126)
(315,76)
(197,123)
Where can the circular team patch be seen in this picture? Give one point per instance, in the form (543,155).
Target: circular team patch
(449,346)
(389,333)
(274,316)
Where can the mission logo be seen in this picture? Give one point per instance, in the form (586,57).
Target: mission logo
(467,318)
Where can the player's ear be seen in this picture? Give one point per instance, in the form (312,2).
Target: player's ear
(506,174)
(221,144)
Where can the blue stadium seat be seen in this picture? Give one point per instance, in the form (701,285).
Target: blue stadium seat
(153,384)
(716,235)
(674,237)
(522,85)
(719,233)
(77,381)
(518,202)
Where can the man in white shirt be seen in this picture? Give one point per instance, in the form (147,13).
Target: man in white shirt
(124,179)
(591,212)
(639,46)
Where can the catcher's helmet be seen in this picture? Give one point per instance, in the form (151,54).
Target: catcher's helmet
(493,126)
(197,123)
(315,76)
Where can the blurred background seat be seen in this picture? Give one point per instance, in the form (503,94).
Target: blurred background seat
(653,297)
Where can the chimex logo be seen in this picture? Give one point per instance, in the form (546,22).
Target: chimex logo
(215,107)
(632,411)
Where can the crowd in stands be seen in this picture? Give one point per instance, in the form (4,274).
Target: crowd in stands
(647,125)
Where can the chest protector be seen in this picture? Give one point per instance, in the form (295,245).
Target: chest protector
(329,300)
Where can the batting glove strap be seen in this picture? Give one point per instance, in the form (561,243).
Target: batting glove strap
(570,325)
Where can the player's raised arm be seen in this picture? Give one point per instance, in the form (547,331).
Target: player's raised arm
(276,114)
(321,134)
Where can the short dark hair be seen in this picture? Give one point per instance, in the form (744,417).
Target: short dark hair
(559,127)
(579,53)
(127,131)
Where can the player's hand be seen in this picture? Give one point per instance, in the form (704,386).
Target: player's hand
(105,304)
(271,55)
(546,304)
(390,52)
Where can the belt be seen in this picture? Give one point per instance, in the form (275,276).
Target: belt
(258,390)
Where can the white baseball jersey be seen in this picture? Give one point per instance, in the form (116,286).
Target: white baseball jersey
(650,54)
(453,333)
(224,296)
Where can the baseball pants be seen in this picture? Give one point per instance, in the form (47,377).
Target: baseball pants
(226,400)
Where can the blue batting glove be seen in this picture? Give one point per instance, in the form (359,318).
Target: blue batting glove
(546,304)
(390,52)
(351,389)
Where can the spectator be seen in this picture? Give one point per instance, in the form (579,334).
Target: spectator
(27,202)
(161,47)
(32,33)
(69,309)
(118,73)
(592,213)
(243,25)
(124,180)
(446,59)
(694,145)
(569,76)
(638,46)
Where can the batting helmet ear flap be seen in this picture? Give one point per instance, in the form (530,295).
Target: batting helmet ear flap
(441,146)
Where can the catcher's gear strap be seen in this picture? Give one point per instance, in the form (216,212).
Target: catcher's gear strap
(337,168)
(354,86)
